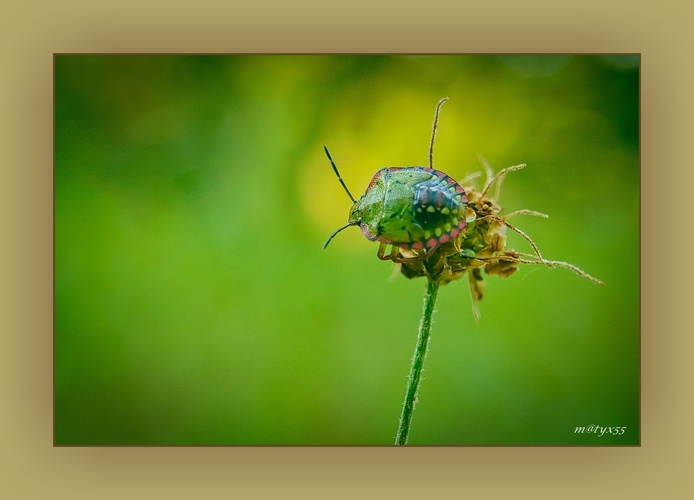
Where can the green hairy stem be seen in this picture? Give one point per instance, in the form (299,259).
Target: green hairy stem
(420,353)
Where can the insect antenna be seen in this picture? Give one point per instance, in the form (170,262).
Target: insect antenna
(333,235)
(341,181)
(433,131)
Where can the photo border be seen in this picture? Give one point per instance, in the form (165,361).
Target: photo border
(38,470)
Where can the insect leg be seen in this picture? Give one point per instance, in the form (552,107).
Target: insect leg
(381,254)
(396,259)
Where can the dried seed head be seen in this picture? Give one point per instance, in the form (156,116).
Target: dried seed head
(481,245)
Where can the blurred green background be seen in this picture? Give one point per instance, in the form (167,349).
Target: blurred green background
(194,304)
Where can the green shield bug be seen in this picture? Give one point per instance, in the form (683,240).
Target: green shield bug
(408,207)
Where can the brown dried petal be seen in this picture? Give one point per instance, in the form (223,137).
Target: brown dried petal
(476,285)
(501,268)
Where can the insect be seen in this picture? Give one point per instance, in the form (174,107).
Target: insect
(408,208)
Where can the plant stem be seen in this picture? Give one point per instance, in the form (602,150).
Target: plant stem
(420,353)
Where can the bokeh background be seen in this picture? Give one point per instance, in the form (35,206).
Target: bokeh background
(194,304)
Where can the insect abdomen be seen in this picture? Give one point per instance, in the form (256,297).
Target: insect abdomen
(439,208)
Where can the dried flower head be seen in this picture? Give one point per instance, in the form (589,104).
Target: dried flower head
(481,245)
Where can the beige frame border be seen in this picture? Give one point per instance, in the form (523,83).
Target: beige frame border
(31,34)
